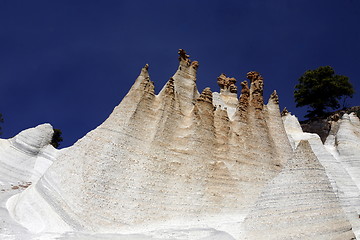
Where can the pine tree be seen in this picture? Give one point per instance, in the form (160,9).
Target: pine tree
(321,89)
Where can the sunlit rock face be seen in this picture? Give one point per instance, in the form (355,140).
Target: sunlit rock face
(160,158)
(184,164)
(23,160)
(347,141)
(25,157)
(227,98)
(344,144)
(330,157)
(299,203)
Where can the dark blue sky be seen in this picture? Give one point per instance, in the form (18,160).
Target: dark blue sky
(70,63)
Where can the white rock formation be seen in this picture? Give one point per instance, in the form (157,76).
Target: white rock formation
(299,203)
(157,158)
(347,142)
(23,160)
(227,98)
(185,165)
(26,157)
(344,144)
(343,184)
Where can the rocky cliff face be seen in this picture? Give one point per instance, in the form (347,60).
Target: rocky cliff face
(161,161)
(323,126)
(299,203)
(328,154)
(163,157)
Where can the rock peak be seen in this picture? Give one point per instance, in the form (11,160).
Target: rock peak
(206,95)
(285,112)
(244,100)
(274,97)
(183,55)
(185,60)
(195,64)
(226,84)
(253,75)
(256,91)
(145,71)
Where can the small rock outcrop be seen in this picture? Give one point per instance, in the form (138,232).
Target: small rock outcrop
(244,100)
(274,97)
(256,91)
(185,59)
(319,126)
(226,84)
(323,125)
(284,112)
(206,95)
(227,98)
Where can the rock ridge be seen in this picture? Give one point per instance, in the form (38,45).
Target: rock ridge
(181,159)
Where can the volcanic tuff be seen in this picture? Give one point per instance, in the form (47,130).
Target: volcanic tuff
(299,203)
(185,160)
(26,157)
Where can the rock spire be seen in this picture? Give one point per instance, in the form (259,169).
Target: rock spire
(226,84)
(244,100)
(256,90)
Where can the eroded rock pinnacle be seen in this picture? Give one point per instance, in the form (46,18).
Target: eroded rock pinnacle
(227,84)
(256,90)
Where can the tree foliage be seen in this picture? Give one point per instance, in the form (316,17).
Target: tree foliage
(56,138)
(321,89)
(1,121)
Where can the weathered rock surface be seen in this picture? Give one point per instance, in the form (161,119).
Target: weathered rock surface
(344,144)
(227,98)
(299,204)
(256,92)
(187,165)
(347,141)
(157,158)
(244,101)
(27,156)
(342,183)
(323,126)
(319,126)
(23,160)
